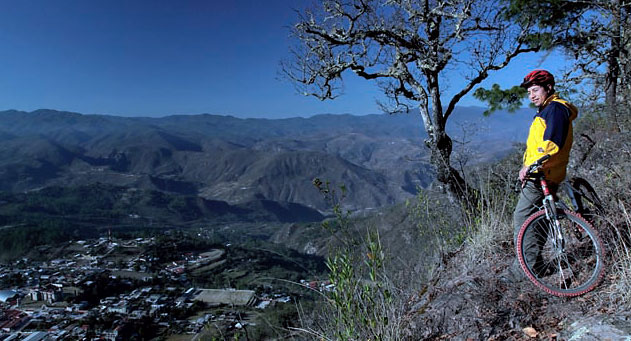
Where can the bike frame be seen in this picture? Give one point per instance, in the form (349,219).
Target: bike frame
(548,200)
(551,213)
(569,190)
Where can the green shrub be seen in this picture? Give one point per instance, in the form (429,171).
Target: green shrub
(363,303)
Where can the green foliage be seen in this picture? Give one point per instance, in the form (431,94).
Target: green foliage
(510,99)
(549,15)
(58,214)
(334,199)
(500,99)
(361,304)
(19,240)
(260,265)
(593,33)
(282,315)
(436,222)
(361,293)
(544,40)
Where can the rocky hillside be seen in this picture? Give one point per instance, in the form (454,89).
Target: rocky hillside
(478,293)
(470,288)
(477,300)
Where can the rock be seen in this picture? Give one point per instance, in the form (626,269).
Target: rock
(530,331)
(600,327)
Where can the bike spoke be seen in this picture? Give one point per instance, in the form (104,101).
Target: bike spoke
(566,261)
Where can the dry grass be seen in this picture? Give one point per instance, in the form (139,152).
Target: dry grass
(491,226)
(605,160)
(617,239)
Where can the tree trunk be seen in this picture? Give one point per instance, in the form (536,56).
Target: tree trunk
(440,145)
(613,66)
(625,56)
(446,174)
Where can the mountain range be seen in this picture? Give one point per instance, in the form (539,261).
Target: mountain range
(381,159)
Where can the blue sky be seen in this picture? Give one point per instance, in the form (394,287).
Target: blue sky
(157,58)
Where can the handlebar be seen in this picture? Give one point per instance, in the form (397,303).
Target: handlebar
(537,165)
(533,168)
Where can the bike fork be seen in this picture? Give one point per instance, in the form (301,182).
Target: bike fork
(555,228)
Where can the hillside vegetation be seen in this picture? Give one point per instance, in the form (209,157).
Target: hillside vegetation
(461,287)
(59,214)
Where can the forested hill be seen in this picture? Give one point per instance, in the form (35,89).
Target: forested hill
(240,160)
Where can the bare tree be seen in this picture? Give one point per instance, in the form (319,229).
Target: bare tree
(410,48)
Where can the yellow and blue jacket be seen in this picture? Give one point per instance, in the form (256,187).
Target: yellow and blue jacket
(551,133)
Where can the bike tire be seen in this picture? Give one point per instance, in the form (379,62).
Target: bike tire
(571,270)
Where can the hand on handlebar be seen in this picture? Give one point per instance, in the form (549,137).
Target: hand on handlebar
(526,171)
(523,172)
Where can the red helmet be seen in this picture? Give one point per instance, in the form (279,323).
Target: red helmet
(538,77)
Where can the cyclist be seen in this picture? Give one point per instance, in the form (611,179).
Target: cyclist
(550,134)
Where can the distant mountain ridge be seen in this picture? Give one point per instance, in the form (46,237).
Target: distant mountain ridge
(380,158)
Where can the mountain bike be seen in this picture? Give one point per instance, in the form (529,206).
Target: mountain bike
(560,251)
(580,196)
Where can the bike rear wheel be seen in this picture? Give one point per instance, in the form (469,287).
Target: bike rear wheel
(589,204)
(567,264)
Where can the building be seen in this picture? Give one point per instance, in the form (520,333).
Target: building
(226,296)
(6,295)
(37,336)
(12,320)
(50,294)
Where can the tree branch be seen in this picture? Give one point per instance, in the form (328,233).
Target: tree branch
(482,75)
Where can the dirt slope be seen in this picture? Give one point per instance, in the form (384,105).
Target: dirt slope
(480,301)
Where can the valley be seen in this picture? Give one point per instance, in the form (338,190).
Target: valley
(134,204)
(380,158)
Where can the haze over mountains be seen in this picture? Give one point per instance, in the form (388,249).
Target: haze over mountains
(381,159)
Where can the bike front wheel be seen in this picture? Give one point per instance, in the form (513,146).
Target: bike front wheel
(568,261)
